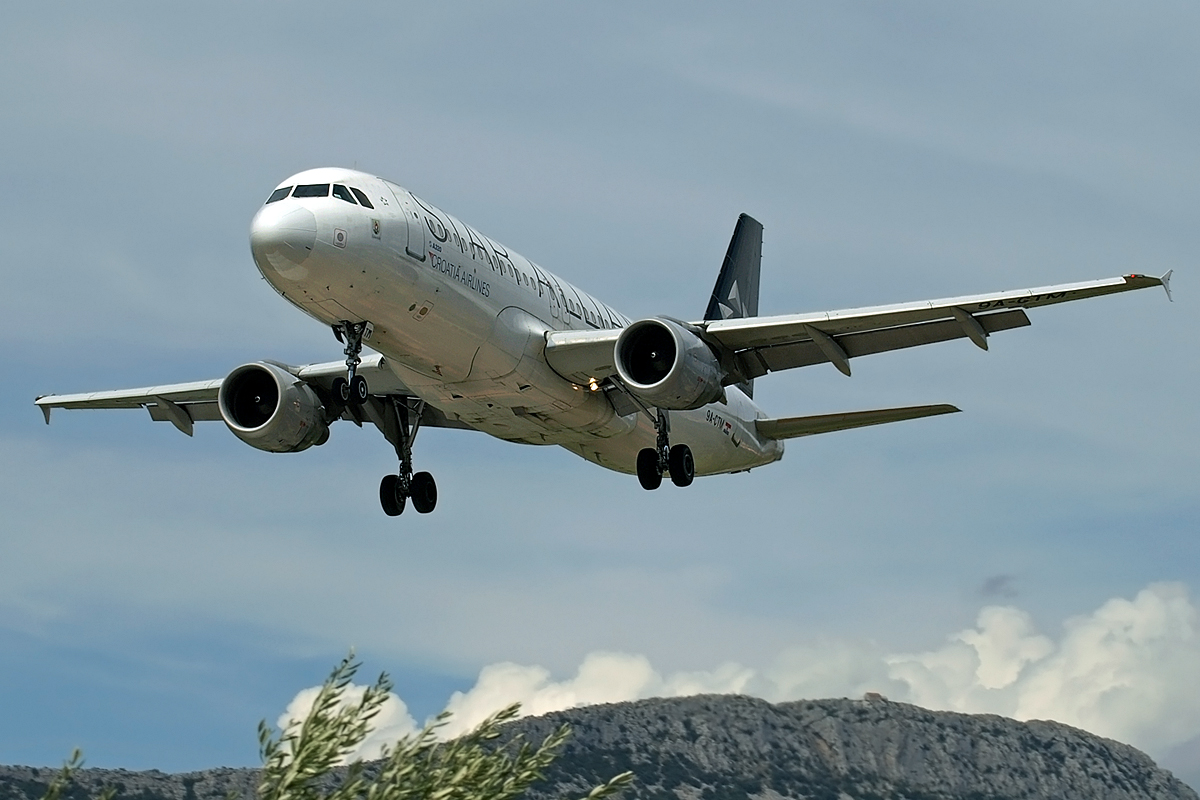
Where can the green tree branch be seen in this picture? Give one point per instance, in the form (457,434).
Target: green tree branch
(301,761)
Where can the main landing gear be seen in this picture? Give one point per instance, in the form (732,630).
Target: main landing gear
(396,490)
(400,426)
(652,462)
(352,388)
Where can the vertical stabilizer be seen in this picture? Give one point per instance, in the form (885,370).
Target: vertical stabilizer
(736,292)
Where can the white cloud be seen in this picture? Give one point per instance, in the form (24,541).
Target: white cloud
(826,669)
(978,669)
(602,678)
(1126,671)
(1129,671)
(392,724)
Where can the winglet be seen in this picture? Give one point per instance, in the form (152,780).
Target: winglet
(1166,282)
(45,408)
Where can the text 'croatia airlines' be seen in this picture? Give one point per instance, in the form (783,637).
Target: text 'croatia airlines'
(469,334)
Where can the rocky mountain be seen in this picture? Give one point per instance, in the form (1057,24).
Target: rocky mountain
(716,747)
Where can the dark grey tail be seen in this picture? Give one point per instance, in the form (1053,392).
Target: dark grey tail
(736,292)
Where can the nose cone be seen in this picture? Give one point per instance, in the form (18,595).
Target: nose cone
(281,239)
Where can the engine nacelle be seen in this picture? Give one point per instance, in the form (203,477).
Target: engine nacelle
(668,366)
(271,409)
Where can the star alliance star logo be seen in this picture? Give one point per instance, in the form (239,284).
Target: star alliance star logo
(732,307)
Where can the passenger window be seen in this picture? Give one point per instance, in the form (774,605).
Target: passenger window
(278,194)
(342,193)
(312,190)
(362,198)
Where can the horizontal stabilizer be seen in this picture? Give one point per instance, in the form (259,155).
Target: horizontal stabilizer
(793,427)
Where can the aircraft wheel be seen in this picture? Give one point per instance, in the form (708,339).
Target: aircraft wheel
(424,492)
(358,390)
(390,497)
(682,465)
(341,390)
(648,472)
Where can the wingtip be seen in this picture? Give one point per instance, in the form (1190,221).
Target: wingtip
(1166,284)
(45,408)
(943,408)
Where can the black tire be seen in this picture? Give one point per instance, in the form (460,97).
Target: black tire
(390,497)
(682,465)
(648,472)
(358,390)
(341,390)
(424,492)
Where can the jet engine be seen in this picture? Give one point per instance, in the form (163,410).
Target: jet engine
(271,409)
(668,366)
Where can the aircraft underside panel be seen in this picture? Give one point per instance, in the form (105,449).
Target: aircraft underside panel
(721,436)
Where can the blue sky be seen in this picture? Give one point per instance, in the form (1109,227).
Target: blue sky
(160,595)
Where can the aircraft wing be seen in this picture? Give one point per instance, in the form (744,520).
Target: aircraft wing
(754,346)
(197,401)
(583,356)
(768,344)
(184,403)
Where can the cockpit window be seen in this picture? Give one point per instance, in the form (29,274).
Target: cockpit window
(362,198)
(312,190)
(279,194)
(342,193)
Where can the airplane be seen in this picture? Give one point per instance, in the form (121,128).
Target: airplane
(469,334)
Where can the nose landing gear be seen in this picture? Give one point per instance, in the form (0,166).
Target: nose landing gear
(399,424)
(652,462)
(353,388)
(396,490)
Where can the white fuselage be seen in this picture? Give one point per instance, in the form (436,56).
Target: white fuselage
(462,321)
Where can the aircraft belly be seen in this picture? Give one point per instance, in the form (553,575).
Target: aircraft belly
(513,394)
(721,435)
(530,403)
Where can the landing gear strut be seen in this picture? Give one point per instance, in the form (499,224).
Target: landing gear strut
(352,388)
(652,462)
(396,490)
